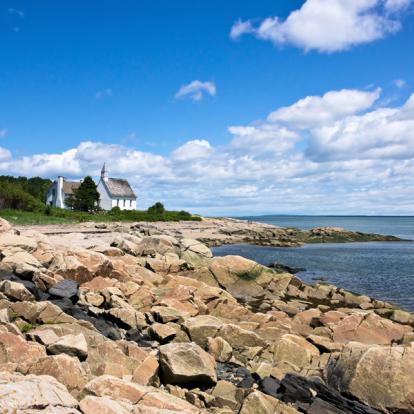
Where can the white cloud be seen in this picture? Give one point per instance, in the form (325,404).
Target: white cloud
(328,25)
(397,5)
(104,93)
(196,89)
(355,157)
(400,83)
(5,154)
(191,150)
(317,110)
(3,132)
(240,28)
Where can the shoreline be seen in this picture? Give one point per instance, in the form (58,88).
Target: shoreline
(147,311)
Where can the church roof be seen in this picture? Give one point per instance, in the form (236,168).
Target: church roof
(119,187)
(70,186)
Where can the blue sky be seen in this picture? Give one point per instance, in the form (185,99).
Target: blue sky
(86,82)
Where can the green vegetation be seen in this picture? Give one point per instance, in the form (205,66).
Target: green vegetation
(26,327)
(59,216)
(253,274)
(22,202)
(85,197)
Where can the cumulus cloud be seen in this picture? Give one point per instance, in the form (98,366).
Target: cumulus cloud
(335,153)
(196,89)
(191,150)
(328,25)
(317,110)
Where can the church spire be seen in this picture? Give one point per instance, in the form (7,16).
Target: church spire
(104,173)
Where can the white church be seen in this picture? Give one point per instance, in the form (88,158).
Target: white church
(113,192)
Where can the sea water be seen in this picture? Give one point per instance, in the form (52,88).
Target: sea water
(383,270)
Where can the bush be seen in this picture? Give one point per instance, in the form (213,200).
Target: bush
(13,197)
(115,211)
(157,208)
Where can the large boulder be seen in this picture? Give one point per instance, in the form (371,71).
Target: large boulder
(19,393)
(13,348)
(74,345)
(65,369)
(195,252)
(187,364)
(368,329)
(201,327)
(379,376)
(294,350)
(15,291)
(81,265)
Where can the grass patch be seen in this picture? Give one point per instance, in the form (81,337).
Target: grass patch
(252,274)
(61,216)
(27,327)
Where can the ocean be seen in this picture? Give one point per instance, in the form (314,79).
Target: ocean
(383,270)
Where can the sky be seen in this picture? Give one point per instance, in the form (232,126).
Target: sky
(219,108)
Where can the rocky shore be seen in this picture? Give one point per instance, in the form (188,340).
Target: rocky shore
(219,231)
(143,319)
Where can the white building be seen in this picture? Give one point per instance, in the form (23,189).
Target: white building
(59,191)
(115,192)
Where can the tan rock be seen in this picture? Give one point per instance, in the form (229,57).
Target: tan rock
(259,403)
(81,265)
(43,336)
(19,393)
(294,350)
(220,349)
(5,226)
(116,388)
(13,348)
(157,402)
(238,337)
(65,369)
(368,329)
(201,327)
(15,291)
(147,371)
(379,376)
(162,333)
(187,364)
(164,315)
(104,405)
(73,345)
(227,395)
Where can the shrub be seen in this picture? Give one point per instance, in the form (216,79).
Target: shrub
(157,208)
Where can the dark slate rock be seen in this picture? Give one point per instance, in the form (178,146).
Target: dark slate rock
(312,395)
(270,386)
(65,289)
(247,382)
(282,268)
(142,340)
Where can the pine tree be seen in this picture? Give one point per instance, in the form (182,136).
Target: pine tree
(86,196)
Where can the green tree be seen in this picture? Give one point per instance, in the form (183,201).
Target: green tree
(86,196)
(157,208)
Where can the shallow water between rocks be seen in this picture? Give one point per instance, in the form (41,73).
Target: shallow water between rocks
(383,270)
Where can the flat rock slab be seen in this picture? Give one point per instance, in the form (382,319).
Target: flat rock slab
(187,364)
(18,393)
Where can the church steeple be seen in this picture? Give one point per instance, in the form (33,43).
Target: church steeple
(104,173)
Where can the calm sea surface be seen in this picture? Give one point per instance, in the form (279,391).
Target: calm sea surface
(384,270)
